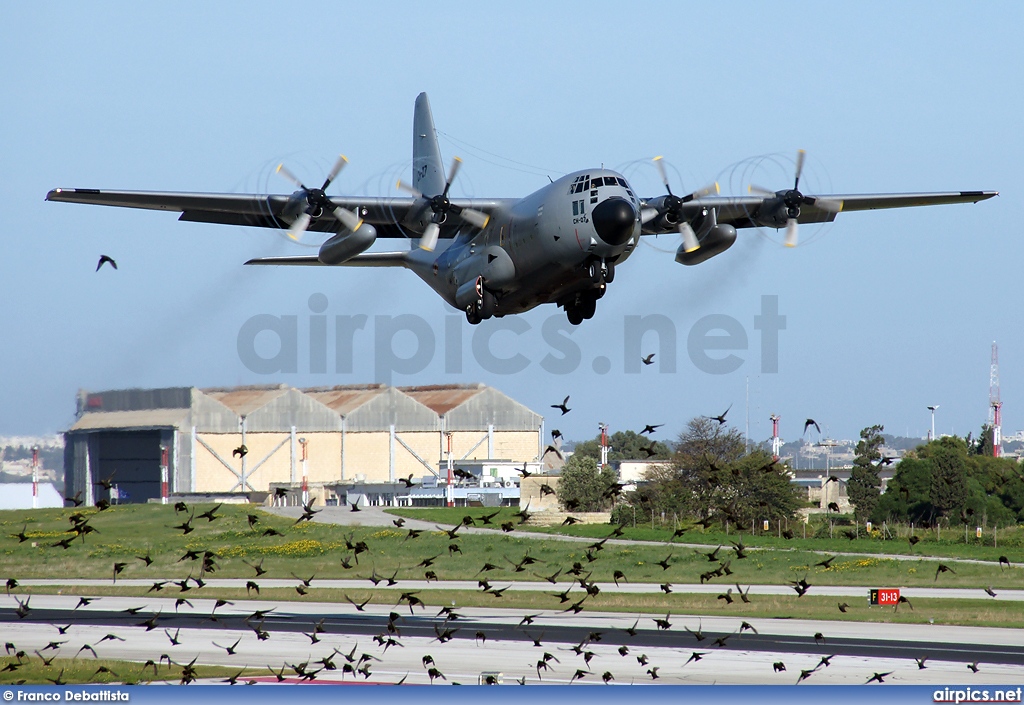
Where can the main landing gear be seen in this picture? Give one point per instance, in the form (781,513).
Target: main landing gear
(583,306)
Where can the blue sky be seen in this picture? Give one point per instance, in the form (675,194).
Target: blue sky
(886,312)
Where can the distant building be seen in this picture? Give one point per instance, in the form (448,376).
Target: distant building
(634,471)
(18,495)
(353,433)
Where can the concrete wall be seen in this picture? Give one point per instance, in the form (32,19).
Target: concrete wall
(269,460)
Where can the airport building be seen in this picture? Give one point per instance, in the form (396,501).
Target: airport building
(193,439)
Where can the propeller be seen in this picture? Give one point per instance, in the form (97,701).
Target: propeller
(441,207)
(317,202)
(673,207)
(793,199)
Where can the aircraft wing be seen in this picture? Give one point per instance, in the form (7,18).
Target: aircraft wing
(363,259)
(742,211)
(267,211)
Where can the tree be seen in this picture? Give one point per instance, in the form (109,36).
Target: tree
(908,495)
(583,487)
(626,445)
(982,446)
(949,476)
(712,479)
(864,483)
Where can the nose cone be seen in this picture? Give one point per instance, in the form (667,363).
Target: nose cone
(614,220)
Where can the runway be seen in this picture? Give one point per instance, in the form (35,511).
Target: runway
(860,649)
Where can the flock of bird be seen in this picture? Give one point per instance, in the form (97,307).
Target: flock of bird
(579,573)
(445,621)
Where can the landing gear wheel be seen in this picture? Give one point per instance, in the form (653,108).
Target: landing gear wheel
(587,307)
(609,272)
(574,315)
(472,314)
(596,274)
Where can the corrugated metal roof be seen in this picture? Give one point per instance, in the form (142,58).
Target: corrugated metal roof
(345,399)
(293,408)
(244,400)
(145,418)
(442,398)
(489,406)
(131,399)
(365,407)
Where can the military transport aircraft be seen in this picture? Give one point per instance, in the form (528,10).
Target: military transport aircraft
(561,244)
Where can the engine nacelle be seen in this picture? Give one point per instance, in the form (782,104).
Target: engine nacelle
(346,245)
(719,239)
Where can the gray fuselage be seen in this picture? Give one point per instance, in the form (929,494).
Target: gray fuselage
(541,248)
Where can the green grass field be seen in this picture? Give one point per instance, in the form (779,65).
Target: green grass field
(313,549)
(33,670)
(949,544)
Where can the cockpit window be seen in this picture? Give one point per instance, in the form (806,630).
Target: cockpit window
(579,187)
(609,181)
(622,183)
(586,185)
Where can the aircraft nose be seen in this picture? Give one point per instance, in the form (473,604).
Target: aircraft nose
(614,220)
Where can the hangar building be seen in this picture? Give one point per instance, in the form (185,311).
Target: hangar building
(351,433)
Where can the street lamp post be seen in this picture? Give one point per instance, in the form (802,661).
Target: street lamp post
(35,478)
(449,490)
(305,476)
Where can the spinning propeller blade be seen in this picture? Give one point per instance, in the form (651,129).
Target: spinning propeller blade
(792,199)
(429,240)
(441,207)
(318,201)
(672,207)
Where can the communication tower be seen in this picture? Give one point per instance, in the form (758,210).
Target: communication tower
(776,441)
(995,416)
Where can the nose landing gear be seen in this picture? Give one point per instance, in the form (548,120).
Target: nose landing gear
(601,272)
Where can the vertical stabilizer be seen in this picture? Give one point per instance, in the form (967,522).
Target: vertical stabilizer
(427,171)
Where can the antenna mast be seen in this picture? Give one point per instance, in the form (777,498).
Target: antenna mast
(776,441)
(995,416)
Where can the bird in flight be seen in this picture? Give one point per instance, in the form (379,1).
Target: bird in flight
(104,259)
(721,417)
(650,428)
(649,360)
(563,406)
(811,422)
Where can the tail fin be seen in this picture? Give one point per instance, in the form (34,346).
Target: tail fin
(427,170)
